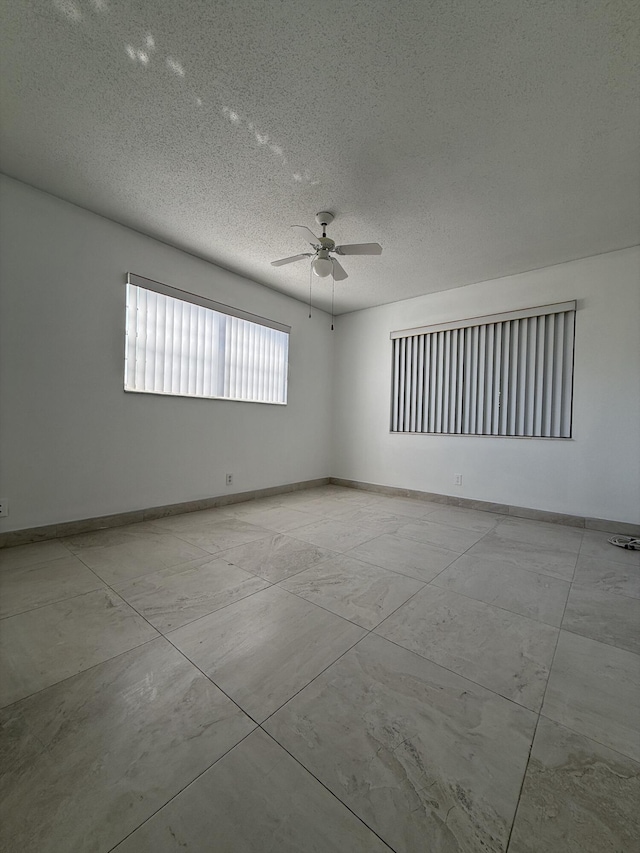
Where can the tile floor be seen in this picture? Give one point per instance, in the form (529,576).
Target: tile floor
(328,670)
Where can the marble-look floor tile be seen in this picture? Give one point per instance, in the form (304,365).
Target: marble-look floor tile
(469,519)
(503,651)
(264,649)
(224,534)
(242,510)
(325,491)
(334,535)
(608,576)
(426,758)
(545,559)
(111,536)
(384,521)
(596,545)
(44,646)
(613,619)
(117,563)
(578,797)
(89,759)
(558,536)
(26,587)
(283,809)
(363,593)
(281,519)
(173,597)
(29,555)
(368,516)
(191,520)
(276,557)
(405,556)
(594,689)
(353,497)
(404,506)
(314,505)
(539,597)
(344,510)
(545,516)
(457,539)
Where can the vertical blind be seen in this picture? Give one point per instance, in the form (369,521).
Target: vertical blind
(182,347)
(508,374)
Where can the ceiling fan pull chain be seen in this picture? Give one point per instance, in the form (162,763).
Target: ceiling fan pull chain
(333,290)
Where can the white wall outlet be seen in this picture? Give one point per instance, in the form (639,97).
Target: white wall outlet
(4,507)
(457,479)
(229,479)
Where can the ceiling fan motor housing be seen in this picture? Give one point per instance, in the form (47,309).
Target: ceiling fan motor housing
(324,218)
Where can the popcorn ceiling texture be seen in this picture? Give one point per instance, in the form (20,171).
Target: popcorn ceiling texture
(472,140)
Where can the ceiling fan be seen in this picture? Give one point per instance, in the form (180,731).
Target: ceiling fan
(323,247)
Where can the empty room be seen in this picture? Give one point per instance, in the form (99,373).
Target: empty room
(319,427)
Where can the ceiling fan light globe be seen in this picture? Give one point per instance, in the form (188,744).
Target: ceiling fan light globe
(322,267)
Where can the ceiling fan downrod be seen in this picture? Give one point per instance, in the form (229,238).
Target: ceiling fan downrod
(323,219)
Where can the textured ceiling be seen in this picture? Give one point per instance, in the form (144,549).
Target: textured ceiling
(471,139)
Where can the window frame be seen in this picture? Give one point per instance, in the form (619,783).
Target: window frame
(134,280)
(458,368)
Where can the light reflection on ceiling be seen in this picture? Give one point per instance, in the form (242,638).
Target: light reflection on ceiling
(471,140)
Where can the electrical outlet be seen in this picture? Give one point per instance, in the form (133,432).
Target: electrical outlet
(457,479)
(229,479)
(4,507)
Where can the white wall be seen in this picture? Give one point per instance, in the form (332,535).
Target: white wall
(596,474)
(73,444)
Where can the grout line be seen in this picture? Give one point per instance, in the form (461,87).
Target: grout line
(454,672)
(600,642)
(410,651)
(220,550)
(36,563)
(417,541)
(346,651)
(492,603)
(346,618)
(517,542)
(595,588)
(211,612)
(171,643)
(55,601)
(81,672)
(395,571)
(210,679)
(188,785)
(535,730)
(335,796)
(325,609)
(625,755)
(322,671)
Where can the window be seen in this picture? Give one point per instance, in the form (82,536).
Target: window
(507,374)
(181,344)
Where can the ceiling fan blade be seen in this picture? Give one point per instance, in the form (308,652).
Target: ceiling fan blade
(339,273)
(359,249)
(306,234)
(291,259)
